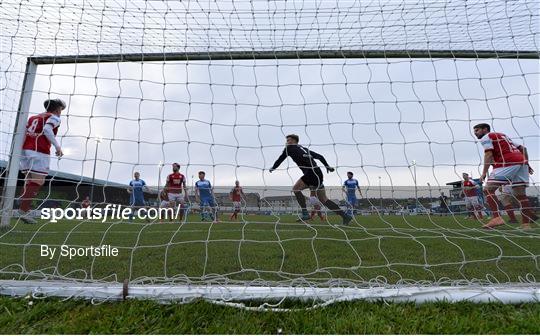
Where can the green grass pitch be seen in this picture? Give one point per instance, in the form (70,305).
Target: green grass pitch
(390,249)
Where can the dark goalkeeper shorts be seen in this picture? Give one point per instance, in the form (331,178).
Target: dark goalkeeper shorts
(313,178)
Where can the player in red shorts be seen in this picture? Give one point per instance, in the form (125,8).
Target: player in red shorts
(41,132)
(510,166)
(236,194)
(176,183)
(472,203)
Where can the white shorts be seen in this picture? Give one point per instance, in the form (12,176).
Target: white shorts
(35,162)
(313,201)
(176,197)
(515,175)
(472,201)
(164,204)
(237,205)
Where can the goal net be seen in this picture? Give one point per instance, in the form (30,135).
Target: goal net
(388,91)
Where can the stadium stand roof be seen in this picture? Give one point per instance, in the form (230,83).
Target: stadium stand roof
(68,177)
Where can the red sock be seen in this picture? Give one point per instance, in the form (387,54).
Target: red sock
(492,203)
(510,212)
(30,191)
(526,211)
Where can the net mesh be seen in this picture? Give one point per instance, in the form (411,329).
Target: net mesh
(401,124)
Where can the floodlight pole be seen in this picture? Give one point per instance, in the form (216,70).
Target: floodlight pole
(380,194)
(98,140)
(10,183)
(415,185)
(160,167)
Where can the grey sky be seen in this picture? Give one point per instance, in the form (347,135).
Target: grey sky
(371,116)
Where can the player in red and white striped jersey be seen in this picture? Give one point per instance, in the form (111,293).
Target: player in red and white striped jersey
(510,166)
(41,132)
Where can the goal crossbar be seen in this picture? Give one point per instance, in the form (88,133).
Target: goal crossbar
(284,54)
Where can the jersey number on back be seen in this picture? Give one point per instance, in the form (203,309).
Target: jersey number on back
(33,126)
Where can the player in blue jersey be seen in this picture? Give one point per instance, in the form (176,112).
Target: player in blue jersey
(136,189)
(349,188)
(205,194)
